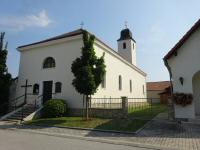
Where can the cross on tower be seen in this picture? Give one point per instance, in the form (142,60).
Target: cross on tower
(25,91)
(126,26)
(82,24)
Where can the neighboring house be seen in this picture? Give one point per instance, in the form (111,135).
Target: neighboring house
(47,66)
(183,63)
(158,92)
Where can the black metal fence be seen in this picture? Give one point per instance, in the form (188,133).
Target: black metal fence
(116,103)
(106,103)
(139,103)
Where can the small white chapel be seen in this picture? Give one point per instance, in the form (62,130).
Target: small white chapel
(46,66)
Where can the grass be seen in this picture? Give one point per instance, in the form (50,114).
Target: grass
(129,124)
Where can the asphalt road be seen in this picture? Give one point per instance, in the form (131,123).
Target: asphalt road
(18,140)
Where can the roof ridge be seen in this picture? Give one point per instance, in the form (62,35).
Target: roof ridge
(182,40)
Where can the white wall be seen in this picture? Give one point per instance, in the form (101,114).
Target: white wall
(185,65)
(130,52)
(154,95)
(64,52)
(114,68)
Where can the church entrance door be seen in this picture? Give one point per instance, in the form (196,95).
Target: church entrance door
(47,90)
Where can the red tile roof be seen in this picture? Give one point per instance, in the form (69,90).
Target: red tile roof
(158,86)
(182,40)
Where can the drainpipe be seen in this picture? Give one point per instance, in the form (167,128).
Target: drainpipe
(170,74)
(171,85)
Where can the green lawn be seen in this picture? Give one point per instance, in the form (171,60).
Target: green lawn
(128,124)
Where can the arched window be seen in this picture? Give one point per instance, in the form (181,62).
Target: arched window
(124,45)
(120,82)
(35,88)
(49,62)
(130,86)
(58,87)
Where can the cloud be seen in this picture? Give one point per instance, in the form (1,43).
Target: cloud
(17,23)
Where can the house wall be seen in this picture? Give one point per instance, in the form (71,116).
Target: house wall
(185,65)
(154,95)
(64,52)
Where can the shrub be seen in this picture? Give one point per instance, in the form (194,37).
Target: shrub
(54,108)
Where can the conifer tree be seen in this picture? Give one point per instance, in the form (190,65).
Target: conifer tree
(88,70)
(5,77)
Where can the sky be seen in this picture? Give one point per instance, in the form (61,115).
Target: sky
(156,25)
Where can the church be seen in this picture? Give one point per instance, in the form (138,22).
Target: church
(46,65)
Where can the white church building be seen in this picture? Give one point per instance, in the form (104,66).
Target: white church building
(47,67)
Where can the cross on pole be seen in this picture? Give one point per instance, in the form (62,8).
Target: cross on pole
(82,24)
(126,24)
(25,91)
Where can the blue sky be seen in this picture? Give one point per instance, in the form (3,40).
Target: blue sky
(156,25)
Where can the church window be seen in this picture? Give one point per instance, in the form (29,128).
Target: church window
(49,62)
(143,89)
(103,83)
(58,87)
(35,88)
(120,82)
(133,46)
(130,86)
(124,45)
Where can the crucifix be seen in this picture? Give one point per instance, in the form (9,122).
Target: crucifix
(82,24)
(25,91)
(126,26)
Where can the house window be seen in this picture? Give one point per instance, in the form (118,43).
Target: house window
(120,82)
(49,62)
(124,45)
(58,87)
(35,88)
(133,46)
(103,83)
(130,86)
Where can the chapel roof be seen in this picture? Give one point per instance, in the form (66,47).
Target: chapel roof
(182,40)
(75,33)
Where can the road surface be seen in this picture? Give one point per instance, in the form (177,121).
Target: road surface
(17,140)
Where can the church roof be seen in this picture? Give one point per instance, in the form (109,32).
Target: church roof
(182,40)
(74,33)
(69,34)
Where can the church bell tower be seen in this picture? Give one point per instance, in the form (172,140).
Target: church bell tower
(127,46)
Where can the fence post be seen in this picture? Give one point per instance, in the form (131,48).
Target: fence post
(124,106)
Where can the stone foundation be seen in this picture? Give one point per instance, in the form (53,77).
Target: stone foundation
(101,113)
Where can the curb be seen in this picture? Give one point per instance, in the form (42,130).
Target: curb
(100,140)
(87,129)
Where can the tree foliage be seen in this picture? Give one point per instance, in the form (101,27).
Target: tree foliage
(5,77)
(88,69)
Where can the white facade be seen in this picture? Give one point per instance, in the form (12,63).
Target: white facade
(129,52)
(186,64)
(65,51)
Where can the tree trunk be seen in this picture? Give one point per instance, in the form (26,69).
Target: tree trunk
(83,112)
(87,109)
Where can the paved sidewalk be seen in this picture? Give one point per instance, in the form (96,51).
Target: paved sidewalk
(157,134)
